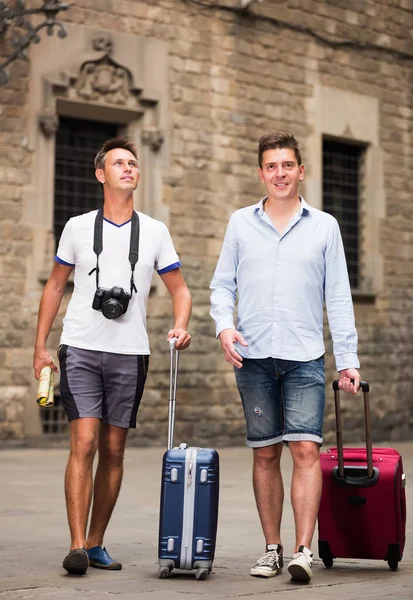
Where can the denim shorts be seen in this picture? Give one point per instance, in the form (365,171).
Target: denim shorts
(283,400)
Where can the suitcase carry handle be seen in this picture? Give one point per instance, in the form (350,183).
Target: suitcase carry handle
(363,385)
(369,448)
(173,377)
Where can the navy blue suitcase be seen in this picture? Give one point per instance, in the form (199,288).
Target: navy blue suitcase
(189,500)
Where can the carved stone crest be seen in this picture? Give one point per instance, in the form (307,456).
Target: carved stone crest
(105,81)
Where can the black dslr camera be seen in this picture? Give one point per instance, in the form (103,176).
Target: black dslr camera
(113,303)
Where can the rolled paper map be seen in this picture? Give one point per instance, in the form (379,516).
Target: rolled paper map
(45,390)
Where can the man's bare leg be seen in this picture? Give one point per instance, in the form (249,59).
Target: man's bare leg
(269,496)
(108,480)
(305,490)
(269,490)
(305,497)
(78,489)
(79,477)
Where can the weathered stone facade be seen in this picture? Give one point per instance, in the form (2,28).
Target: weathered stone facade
(221,78)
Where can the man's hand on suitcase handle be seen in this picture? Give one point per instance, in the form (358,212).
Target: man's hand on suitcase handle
(349,381)
(227,337)
(182,337)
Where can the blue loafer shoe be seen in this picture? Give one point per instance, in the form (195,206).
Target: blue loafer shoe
(100,559)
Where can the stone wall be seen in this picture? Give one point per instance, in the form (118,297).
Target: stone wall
(231,77)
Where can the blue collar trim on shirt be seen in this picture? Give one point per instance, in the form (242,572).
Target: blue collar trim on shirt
(115,224)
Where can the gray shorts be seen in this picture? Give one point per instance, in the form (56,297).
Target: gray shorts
(102,385)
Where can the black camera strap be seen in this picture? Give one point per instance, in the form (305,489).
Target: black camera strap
(133,246)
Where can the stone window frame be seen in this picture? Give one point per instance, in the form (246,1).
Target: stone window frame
(352,117)
(339,181)
(105,76)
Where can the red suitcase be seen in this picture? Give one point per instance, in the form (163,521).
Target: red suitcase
(363,503)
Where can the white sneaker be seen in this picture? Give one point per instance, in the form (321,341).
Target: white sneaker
(300,566)
(269,564)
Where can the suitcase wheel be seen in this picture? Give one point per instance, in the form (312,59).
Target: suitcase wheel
(328,562)
(393,564)
(163,572)
(201,574)
(324,552)
(394,555)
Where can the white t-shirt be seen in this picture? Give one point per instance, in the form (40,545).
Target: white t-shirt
(84,327)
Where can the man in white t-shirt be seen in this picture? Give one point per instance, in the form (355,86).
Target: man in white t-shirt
(104,349)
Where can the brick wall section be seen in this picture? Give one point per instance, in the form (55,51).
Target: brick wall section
(231,78)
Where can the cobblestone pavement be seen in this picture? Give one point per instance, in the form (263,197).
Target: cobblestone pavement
(34,538)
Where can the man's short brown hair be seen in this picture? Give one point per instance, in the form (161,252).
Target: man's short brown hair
(111,144)
(278,139)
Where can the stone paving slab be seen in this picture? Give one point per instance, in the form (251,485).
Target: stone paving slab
(34,538)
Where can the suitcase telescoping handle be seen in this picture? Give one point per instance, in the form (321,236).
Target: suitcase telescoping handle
(369,449)
(173,377)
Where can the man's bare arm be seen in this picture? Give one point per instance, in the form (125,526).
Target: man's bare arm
(49,306)
(181,306)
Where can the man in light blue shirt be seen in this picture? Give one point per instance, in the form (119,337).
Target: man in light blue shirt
(282,260)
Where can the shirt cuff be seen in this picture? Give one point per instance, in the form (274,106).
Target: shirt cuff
(224,323)
(169,268)
(63,262)
(349,360)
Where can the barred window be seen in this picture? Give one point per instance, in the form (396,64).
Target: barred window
(54,421)
(342,166)
(76,188)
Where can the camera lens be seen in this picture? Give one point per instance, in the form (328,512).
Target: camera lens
(112,309)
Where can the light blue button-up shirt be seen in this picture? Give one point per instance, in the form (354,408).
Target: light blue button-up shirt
(282,282)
